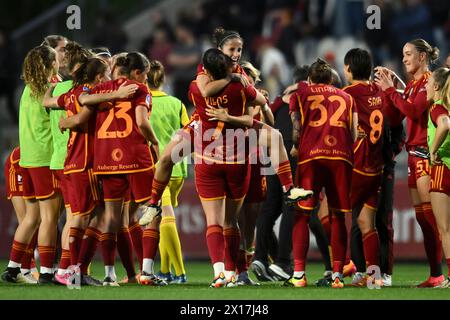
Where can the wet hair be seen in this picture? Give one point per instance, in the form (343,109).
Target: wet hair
(320,72)
(156,74)
(221,36)
(132,61)
(101,52)
(37,68)
(87,71)
(423,46)
(251,71)
(442,79)
(53,40)
(76,54)
(217,63)
(359,62)
(300,73)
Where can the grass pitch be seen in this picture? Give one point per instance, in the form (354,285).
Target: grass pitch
(200,274)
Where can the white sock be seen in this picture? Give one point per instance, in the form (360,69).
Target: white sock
(12,264)
(229,274)
(336,274)
(24,271)
(46,270)
(61,272)
(110,272)
(147,266)
(218,268)
(299,274)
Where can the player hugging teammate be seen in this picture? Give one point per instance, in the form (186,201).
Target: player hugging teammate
(117,160)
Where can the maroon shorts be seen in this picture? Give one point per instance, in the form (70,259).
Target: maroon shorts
(257,190)
(417,167)
(333,175)
(13,177)
(39,183)
(440,179)
(63,184)
(365,189)
(115,186)
(84,192)
(219,181)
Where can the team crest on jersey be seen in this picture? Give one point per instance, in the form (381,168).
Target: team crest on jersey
(86,89)
(330,141)
(117,154)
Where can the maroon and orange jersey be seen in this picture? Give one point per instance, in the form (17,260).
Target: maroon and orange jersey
(119,145)
(234,97)
(413,104)
(436,111)
(80,147)
(370,104)
(326,116)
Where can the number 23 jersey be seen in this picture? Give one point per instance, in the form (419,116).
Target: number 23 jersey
(326,116)
(120,147)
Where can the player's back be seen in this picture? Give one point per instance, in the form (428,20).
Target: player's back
(118,139)
(326,122)
(370,104)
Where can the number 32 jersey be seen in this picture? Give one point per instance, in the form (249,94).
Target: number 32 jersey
(370,104)
(120,147)
(326,115)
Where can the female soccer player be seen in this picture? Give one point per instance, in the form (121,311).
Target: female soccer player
(417,56)
(123,158)
(438,93)
(40,66)
(14,192)
(221,173)
(325,126)
(168,116)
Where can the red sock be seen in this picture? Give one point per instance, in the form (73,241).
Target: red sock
(75,238)
(108,243)
(300,239)
(241,265)
(150,241)
(29,253)
(232,238)
(431,241)
(157,190)
(17,251)
(325,221)
(285,175)
(47,255)
(64,263)
(338,241)
(216,243)
(136,236)
(125,248)
(88,247)
(371,243)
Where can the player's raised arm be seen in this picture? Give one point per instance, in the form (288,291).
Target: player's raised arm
(124,91)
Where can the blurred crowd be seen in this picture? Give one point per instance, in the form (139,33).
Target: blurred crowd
(279,34)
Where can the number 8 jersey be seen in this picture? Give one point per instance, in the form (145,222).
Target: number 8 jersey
(370,103)
(119,146)
(326,116)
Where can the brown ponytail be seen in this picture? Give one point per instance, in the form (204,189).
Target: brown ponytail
(423,46)
(156,74)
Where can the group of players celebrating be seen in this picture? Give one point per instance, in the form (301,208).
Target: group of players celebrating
(113,151)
